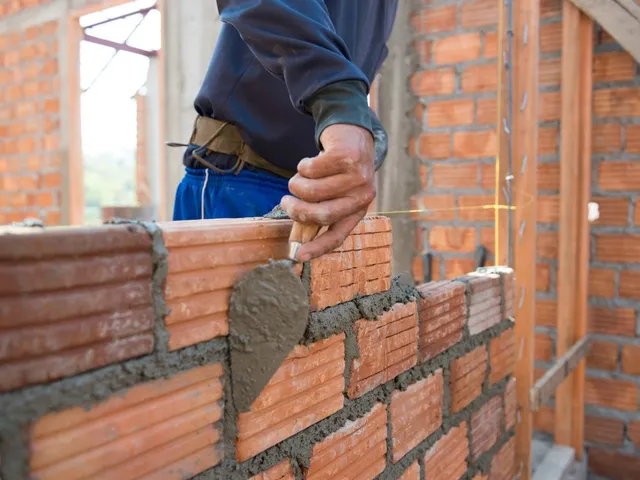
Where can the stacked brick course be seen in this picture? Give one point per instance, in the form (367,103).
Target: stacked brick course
(358,398)
(456,85)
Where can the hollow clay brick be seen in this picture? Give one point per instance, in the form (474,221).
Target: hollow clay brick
(612,464)
(72,300)
(416,413)
(442,315)
(467,376)
(160,429)
(484,300)
(411,473)
(503,356)
(357,450)
(282,471)
(447,459)
(306,388)
(503,465)
(486,426)
(360,266)
(509,286)
(510,405)
(388,346)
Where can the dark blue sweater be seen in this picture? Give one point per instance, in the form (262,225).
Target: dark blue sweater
(277,62)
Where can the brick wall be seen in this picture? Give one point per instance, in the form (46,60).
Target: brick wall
(30,159)
(114,361)
(456,40)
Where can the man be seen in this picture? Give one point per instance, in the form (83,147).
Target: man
(283,115)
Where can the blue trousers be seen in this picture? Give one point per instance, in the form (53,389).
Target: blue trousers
(205,193)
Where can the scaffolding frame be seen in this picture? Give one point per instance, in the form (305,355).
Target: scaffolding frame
(516,187)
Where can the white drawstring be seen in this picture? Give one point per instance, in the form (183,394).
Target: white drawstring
(204,187)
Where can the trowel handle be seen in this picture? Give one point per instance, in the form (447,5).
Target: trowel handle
(301,233)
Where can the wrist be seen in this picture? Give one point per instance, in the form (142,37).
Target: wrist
(343,103)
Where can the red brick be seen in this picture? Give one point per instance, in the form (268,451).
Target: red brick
(447,113)
(550,8)
(161,429)
(448,175)
(470,145)
(480,13)
(634,432)
(442,314)
(543,347)
(435,207)
(452,239)
(305,389)
(549,71)
(485,300)
(430,20)
(456,267)
(613,67)
(633,138)
(549,106)
(486,426)
(457,48)
(503,356)
(602,282)
(72,300)
(603,356)
(543,277)
(490,44)
(447,459)
(631,359)
(624,248)
(510,405)
(618,321)
(434,146)
(616,394)
(441,81)
(548,139)
(358,450)
(617,102)
(416,413)
(614,465)
(486,114)
(480,78)
(282,471)
(543,419)
(549,176)
(411,473)
(629,283)
(503,465)
(551,37)
(467,376)
(387,346)
(609,431)
(619,176)
(548,209)
(547,245)
(606,138)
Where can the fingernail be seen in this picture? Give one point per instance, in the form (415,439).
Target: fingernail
(305,257)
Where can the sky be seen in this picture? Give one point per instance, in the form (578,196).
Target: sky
(108,111)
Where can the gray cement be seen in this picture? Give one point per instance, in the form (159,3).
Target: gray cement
(268,315)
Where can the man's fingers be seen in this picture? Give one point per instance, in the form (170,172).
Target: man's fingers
(322,189)
(325,165)
(330,211)
(331,239)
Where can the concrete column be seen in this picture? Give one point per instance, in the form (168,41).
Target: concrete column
(190,31)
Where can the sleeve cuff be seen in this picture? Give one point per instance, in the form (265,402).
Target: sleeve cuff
(342,102)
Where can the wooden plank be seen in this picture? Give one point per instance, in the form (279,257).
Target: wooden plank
(582,286)
(502,227)
(551,380)
(524,141)
(575,191)
(619,21)
(569,177)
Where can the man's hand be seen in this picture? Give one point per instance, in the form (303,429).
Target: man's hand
(333,189)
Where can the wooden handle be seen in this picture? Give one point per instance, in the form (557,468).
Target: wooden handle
(303,233)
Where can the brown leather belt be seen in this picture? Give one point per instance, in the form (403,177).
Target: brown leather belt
(224,137)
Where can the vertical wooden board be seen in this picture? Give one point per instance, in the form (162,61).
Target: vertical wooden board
(582,287)
(526,53)
(502,230)
(569,179)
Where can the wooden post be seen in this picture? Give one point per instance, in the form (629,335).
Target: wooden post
(525,54)
(502,215)
(575,190)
